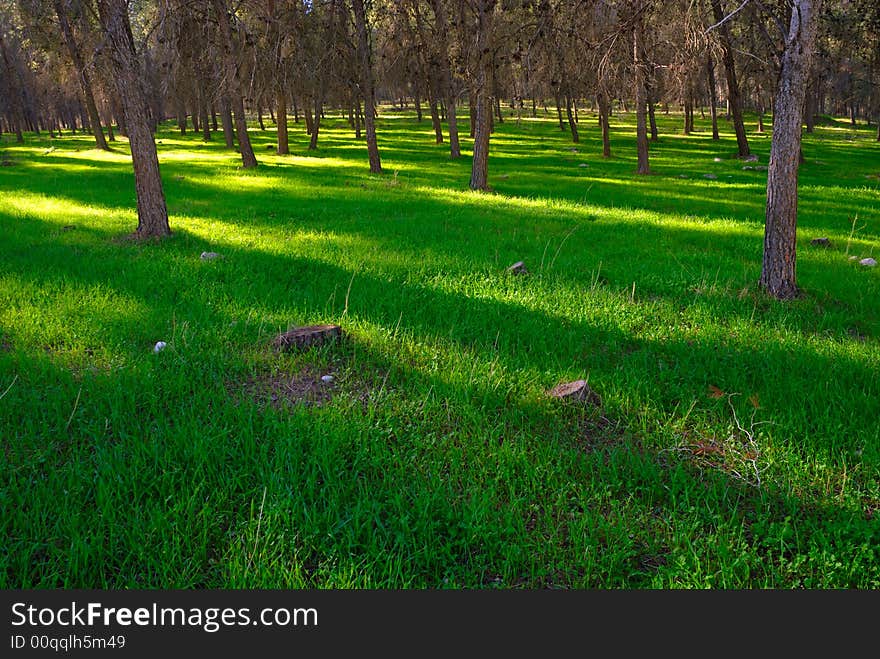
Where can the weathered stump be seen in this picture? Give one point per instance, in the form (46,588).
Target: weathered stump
(577,391)
(300,338)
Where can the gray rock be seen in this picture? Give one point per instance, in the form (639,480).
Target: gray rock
(868,262)
(207,256)
(518,268)
(326,379)
(751,158)
(583,164)
(820,242)
(711,177)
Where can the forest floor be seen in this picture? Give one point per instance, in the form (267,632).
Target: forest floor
(735,441)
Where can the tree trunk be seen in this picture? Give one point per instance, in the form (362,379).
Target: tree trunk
(482,86)
(652,120)
(688,111)
(233,86)
(575,137)
(307,113)
(441,32)
(84,81)
(15,112)
(366,75)
(180,108)
(435,121)
(641,97)
(203,111)
(733,96)
(602,102)
(281,119)
(778,271)
(152,211)
(316,122)
(713,97)
(226,121)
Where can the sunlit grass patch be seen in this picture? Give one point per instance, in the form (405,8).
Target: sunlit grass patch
(736,443)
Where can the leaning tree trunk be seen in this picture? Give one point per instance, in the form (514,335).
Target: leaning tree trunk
(482,114)
(575,136)
(85,83)
(778,272)
(641,98)
(152,211)
(367,88)
(733,95)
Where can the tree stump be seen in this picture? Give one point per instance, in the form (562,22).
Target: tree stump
(577,391)
(300,338)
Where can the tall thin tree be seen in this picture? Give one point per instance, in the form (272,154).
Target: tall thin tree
(778,271)
(152,211)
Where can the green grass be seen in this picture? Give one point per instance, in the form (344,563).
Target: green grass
(439,462)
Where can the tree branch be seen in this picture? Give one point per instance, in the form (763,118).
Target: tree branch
(728,17)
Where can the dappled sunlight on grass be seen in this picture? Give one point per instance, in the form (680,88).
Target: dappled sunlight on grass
(436,456)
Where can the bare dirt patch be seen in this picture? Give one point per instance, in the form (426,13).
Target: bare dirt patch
(284,389)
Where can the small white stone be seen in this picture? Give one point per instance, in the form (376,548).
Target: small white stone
(717,159)
(583,164)
(207,256)
(326,379)
(868,262)
(159,347)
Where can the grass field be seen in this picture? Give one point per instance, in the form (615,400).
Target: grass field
(737,443)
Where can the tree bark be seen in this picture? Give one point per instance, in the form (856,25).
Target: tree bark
(733,95)
(641,96)
(367,88)
(713,97)
(442,45)
(283,147)
(778,271)
(85,82)
(435,121)
(233,86)
(316,123)
(575,137)
(602,102)
(226,121)
(483,102)
(152,211)
(15,112)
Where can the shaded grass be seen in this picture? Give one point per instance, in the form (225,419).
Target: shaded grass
(439,461)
